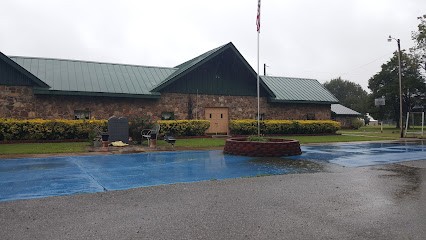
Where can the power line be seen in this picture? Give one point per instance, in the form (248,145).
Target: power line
(309,71)
(363,65)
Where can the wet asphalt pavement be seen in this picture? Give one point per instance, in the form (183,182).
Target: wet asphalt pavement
(375,202)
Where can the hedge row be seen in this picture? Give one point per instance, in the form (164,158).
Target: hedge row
(249,127)
(184,127)
(39,129)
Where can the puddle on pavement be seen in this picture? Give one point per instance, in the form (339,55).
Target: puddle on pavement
(410,176)
(296,166)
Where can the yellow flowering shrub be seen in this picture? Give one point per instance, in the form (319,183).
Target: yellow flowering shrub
(249,126)
(42,129)
(184,127)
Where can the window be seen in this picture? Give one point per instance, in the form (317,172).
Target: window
(81,114)
(310,116)
(167,116)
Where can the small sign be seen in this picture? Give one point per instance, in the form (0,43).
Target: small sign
(379,102)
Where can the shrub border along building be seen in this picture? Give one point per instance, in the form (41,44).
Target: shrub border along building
(184,127)
(249,127)
(41,129)
(60,129)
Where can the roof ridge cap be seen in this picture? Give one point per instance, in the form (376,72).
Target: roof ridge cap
(209,52)
(299,78)
(89,61)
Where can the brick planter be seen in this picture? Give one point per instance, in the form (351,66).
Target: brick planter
(272,148)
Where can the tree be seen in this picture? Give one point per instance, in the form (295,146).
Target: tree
(419,38)
(386,84)
(348,93)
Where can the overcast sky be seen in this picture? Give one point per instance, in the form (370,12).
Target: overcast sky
(320,39)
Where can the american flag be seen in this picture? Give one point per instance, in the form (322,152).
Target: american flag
(258,17)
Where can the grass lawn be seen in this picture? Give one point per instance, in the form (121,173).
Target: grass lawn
(336,138)
(389,132)
(42,148)
(368,133)
(196,143)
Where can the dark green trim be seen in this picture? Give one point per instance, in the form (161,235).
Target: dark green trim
(22,70)
(42,91)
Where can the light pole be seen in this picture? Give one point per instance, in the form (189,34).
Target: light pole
(400,87)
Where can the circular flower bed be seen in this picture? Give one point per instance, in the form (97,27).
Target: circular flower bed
(270,148)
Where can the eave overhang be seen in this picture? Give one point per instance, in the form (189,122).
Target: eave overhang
(42,91)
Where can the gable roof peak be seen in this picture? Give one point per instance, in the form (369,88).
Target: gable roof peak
(189,65)
(24,71)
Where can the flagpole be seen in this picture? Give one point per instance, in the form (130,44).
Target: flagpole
(258,88)
(258,81)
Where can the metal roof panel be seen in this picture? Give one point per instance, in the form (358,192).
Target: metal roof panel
(342,110)
(298,90)
(96,77)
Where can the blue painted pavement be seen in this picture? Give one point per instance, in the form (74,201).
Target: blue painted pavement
(364,154)
(54,176)
(35,177)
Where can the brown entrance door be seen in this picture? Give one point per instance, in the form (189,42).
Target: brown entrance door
(218,118)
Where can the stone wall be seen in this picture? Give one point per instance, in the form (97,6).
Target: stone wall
(270,148)
(17,102)
(292,111)
(242,107)
(20,102)
(99,107)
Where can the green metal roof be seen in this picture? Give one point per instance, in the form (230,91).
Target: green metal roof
(298,90)
(72,77)
(342,110)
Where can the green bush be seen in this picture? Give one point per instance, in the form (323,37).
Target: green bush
(40,129)
(137,124)
(357,123)
(248,127)
(254,138)
(184,127)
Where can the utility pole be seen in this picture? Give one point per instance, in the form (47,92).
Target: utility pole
(401,129)
(400,91)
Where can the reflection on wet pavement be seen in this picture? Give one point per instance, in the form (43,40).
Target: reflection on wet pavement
(364,154)
(301,166)
(410,177)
